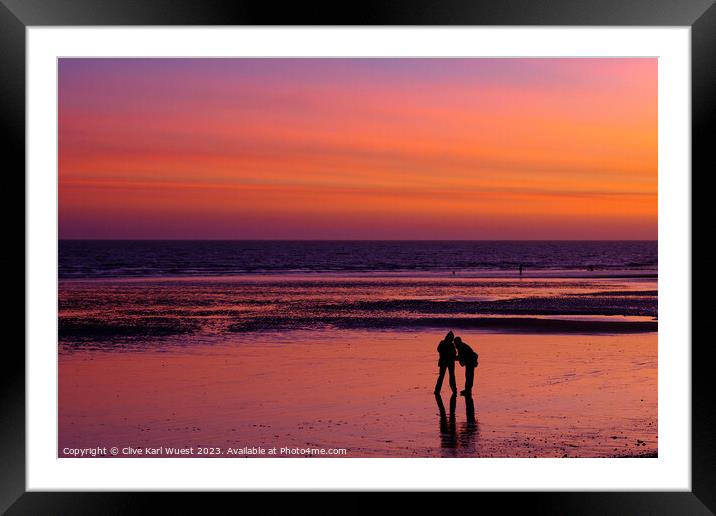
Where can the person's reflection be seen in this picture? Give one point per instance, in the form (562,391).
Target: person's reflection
(468,429)
(448,435)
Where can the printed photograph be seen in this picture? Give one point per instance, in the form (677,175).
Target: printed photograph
(357,257)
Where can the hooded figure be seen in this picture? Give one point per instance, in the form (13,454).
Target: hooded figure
(446,351)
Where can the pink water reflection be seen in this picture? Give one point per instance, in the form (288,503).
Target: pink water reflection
(371,393)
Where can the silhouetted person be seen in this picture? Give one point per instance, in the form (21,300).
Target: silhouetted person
(468,359)
(520,269)
(448,432)
(446,350)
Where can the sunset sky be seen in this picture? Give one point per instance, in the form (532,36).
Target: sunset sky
(358,148)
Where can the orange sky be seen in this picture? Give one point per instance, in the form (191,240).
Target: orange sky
(358,148)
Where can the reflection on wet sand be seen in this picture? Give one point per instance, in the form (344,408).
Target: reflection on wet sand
(368,392)
(448,434)
(467,437)
(456,442)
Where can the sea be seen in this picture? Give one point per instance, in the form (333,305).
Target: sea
(124,294)
(160,258)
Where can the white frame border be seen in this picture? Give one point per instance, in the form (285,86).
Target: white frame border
(670,471)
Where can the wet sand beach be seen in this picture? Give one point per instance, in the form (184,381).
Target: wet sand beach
(311,346)
(370,392)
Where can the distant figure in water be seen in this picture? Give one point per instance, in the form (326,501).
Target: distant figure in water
(468,359)
(446,350)
(520,269)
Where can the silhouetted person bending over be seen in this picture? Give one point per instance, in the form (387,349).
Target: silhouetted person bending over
(468,359)
(446,350)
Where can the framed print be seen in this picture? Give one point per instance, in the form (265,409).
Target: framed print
(439,249)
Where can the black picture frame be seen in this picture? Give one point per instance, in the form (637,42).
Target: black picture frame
(17,15)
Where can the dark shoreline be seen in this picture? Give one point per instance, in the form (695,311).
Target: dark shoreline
(92,333)
(497,324)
